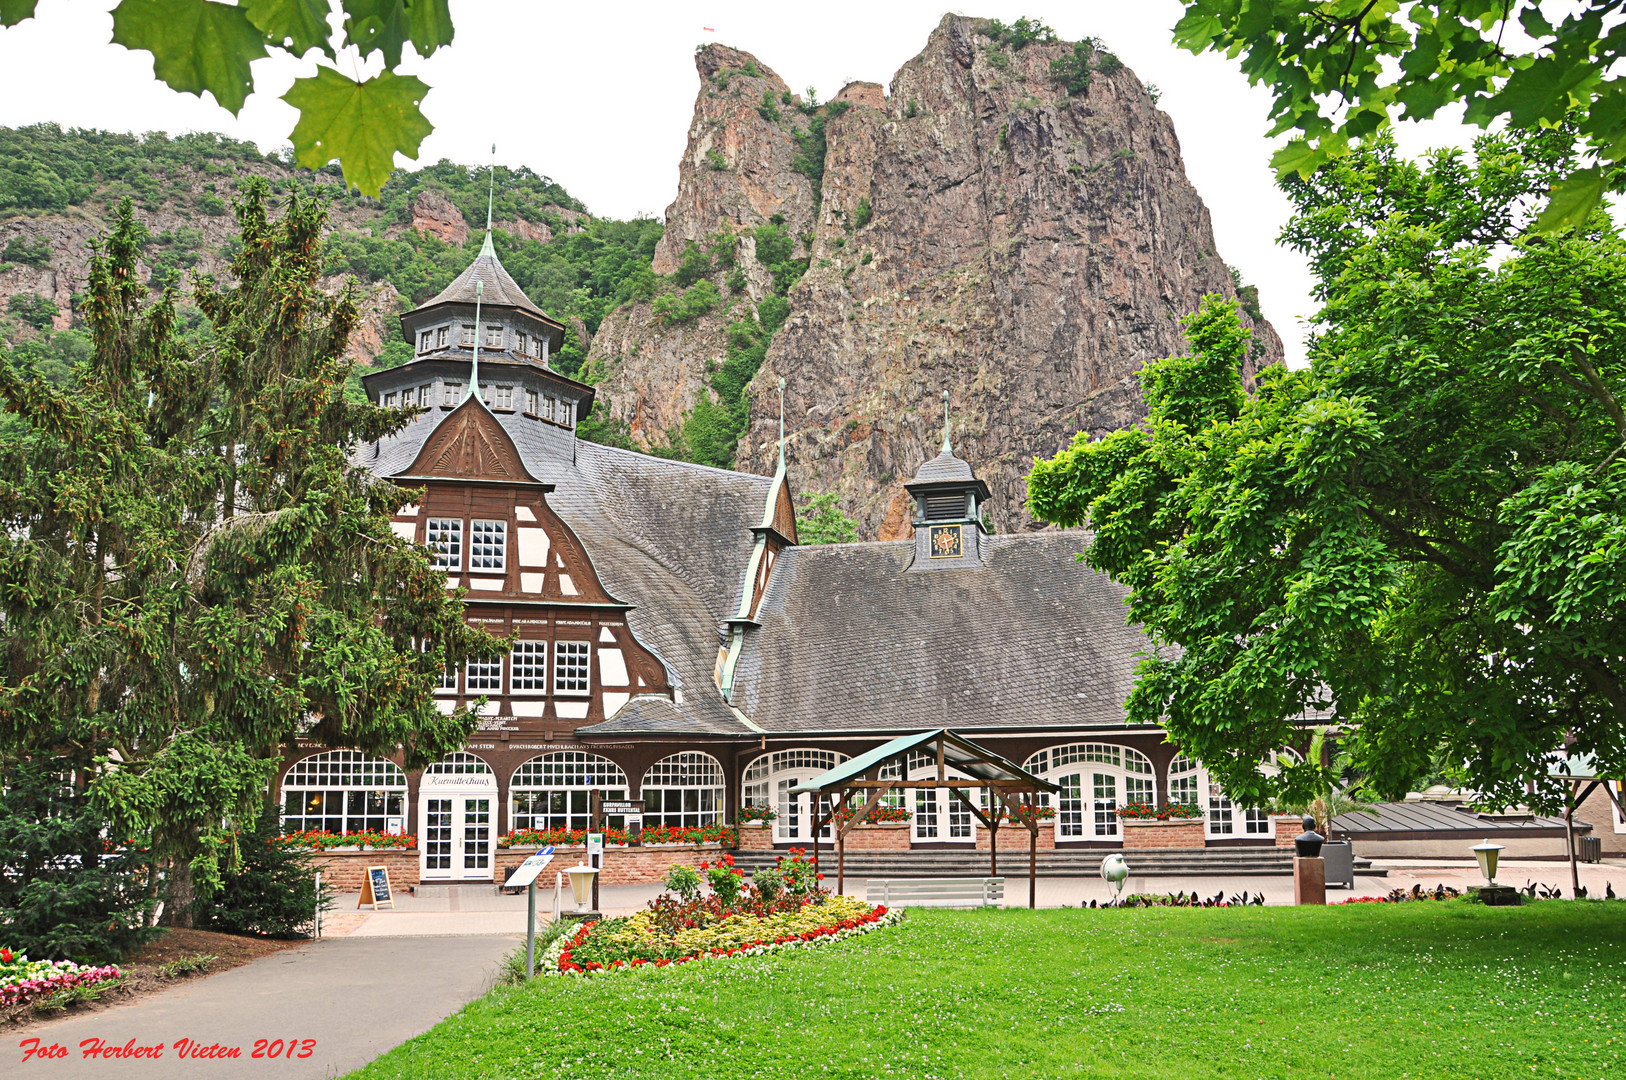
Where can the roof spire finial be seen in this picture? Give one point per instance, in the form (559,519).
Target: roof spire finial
(781,422)
(474,370)
(946,448)
(491,186)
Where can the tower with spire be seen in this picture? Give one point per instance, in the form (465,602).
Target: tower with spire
(481,335)
(948,509)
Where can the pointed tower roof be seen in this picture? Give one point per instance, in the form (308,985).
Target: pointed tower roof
(498,288)
(946,468)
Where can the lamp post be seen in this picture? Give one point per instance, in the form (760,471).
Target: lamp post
(1491,893)
(582,877)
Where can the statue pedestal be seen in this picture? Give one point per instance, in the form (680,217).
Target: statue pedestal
(1496,895)
(1309,880)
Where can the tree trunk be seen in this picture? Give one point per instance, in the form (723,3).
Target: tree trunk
(178,900)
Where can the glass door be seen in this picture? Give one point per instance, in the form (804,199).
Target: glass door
(1104,786)
(437,838)
(476,839)
(794,825)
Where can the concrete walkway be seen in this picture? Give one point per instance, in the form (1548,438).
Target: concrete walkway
(355,997)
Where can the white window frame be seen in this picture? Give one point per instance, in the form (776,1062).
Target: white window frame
(494,336)
(769,778)
(451,393)
(1088,809)
(938,816)
(488,546)
(341,779)
(687,789)
(442,336)
(528,668)
(483,677)
(573,668)
(426,340)
(444,539)
(563,416)
(530,402)
(505,397)
(557,787)
(468,335)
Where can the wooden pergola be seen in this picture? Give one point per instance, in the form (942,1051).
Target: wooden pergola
(1012,791)
(1580,777)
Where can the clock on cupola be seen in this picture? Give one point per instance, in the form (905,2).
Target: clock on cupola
(948,510)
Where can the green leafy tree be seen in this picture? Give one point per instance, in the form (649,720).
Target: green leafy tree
(823,522)
(69,890)
(271,891)
(193,572)
(205,45)
(1342,69)
(1423,534)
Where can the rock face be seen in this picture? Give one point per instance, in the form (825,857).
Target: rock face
(433,214)
(978,230)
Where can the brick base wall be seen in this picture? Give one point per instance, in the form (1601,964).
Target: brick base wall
(879,836)
(1288,827)
(756,837)
(1162,835)
(1015,837)
(344,871)
(622,866)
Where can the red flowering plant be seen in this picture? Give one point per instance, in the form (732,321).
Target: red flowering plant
(1166,811)
(317,840)
(1035,812)
(876,815)
(755,813)
(559,837)
(726,835)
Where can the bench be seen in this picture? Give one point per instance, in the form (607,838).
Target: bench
(935,892)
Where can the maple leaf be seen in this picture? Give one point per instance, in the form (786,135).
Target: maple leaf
(196,45)
(13,12)
(386,25)
(361,124)
(295,25)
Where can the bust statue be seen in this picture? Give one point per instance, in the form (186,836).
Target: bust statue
(1307,845)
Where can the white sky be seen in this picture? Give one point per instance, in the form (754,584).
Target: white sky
(599,96)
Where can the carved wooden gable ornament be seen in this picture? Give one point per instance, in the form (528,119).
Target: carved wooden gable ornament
(470,444)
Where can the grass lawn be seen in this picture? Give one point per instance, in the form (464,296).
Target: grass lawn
(1379,990)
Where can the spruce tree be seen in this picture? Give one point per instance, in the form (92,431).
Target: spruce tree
(193,570)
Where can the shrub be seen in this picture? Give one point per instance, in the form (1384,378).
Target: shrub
(726,881)
(212,204)
(912,111)
(21,249)
(676,309)
(1021,33)
(824,523)
(1109,64)
(65,891)
(1072,70)
(35,310)
(273,892)
(769,884)
(684,880)
(768,110)
(863,215)
(716,161)
(692,266)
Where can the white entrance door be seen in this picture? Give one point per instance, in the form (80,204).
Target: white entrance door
(456,842)
(794,825)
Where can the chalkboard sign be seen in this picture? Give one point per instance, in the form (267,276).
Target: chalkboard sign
(375,889)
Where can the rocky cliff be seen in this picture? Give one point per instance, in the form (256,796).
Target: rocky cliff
(980,227)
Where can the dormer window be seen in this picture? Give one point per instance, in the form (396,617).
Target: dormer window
(389,401)
(547,408)
(493,337)
(530,402)
(442,336)
(453,394)
(505,398)
(468,334)
(564,412)
(424,340)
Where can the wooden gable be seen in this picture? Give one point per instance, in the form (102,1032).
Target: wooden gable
(784,514)
(470,444)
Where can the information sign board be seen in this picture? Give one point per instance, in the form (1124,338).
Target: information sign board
(526,872)
(375,889)
(595,850)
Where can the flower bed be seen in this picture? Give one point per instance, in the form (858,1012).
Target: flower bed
(780,907)
(325,841)
(23,981)
(1168,811)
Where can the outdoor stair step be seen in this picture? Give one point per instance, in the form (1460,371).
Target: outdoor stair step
(1159,863)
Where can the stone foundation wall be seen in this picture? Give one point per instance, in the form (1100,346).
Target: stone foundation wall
(879,836)
(1162,835)
(344,871)
(756,837)
(1288,827)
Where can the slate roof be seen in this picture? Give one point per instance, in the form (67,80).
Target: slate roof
(945,466)
(670,538)
(498,288)
(848,641)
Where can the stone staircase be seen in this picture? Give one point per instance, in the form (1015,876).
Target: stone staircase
(1193,862)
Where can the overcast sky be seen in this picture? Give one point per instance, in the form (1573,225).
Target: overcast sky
(599,95)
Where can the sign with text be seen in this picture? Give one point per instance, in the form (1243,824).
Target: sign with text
(595,850)
(623,809)
(526,872)
(375,889)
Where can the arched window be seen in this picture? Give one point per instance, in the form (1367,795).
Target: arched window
(554,791)
(1095,780)
(461,764)
(768,782)
(344,791)
(684,789)
(1189,783)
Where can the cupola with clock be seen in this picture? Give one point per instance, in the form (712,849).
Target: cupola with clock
(948,510)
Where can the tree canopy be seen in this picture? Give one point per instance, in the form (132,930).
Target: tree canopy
(1423,535)
(193,573)
(1341,69)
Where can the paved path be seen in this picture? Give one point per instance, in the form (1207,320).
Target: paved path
(356,997)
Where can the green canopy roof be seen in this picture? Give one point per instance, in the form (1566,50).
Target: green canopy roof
(965,755)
